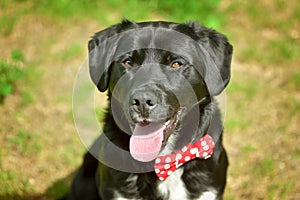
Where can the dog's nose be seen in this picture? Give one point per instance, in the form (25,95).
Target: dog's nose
(143,102)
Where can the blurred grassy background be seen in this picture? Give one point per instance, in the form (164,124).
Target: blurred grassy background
(43,43)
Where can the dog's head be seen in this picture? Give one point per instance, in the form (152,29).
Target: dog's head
(155,72)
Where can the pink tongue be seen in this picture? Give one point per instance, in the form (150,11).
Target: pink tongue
(146,141)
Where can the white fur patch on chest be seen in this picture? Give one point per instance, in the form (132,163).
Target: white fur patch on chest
(173,187)
(209,195)
(119,197)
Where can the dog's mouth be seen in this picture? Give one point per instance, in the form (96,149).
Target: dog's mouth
(148,138)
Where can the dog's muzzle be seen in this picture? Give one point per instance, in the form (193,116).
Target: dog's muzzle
(143,102)
(153,120)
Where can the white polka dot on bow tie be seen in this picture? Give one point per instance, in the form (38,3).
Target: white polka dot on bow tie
(184,148)
(205,148)
(157,171)
(178,156)
(161,178)
(205,154)
(203,143)
(166,166)
(194,150)
(187,158)
(157,160)
(168,159)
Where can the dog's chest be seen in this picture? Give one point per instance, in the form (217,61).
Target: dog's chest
(173,187)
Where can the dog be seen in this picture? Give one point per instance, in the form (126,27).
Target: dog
(162,134)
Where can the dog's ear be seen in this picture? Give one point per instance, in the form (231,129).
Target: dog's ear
(217,74)
(101,49)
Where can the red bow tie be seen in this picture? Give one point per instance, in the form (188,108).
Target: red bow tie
(165,165)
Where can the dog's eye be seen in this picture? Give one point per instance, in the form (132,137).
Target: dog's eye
(176,64)
(127,62)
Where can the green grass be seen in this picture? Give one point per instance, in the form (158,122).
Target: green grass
(206,11)
(277,33)
(11,71)
(14,72)
(7,24)
(296,154)
(295,107)
(234,122)
(274,51)
(26,98)
(17,55)
(25,142)
(280,190)
(246,88)
(296,80)
(8,179)
(73,50)
(248,149)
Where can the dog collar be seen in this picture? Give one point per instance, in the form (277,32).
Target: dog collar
(165,165)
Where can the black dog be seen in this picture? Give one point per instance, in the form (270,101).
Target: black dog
(162,137)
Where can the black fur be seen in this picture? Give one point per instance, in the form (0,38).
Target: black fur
(98,181)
